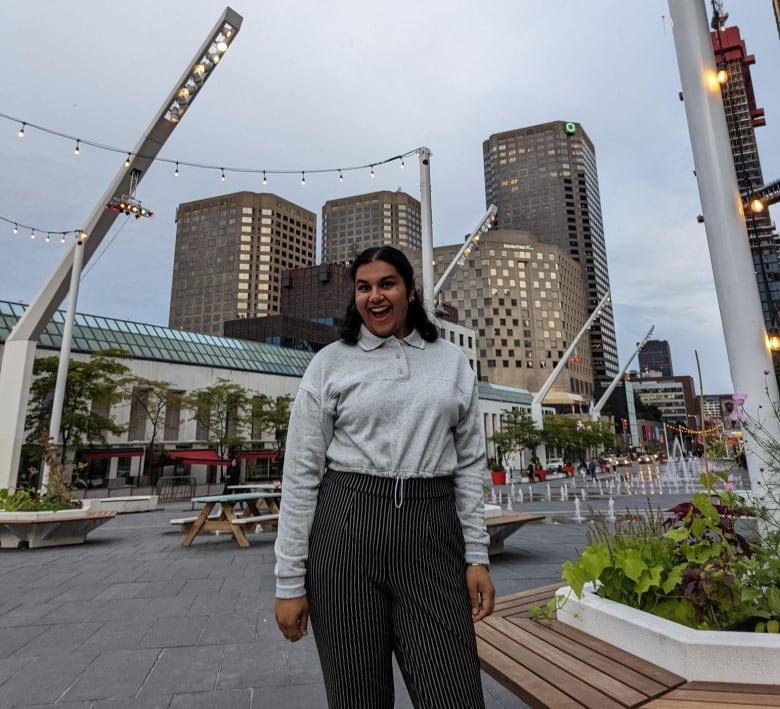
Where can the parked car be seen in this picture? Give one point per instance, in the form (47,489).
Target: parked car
(644,458)
(554,465)
(624,461)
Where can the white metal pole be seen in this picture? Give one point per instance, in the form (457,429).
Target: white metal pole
(483,226)
(62,368)
(20,345)
(596,411)
(536,403)
(747,345)
(426,219)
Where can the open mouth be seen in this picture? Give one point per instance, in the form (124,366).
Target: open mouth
(380,313)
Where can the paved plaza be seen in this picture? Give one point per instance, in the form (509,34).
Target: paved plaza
(132,619)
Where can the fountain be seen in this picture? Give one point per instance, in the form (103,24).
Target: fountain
(530,494)
(611,510)
(577,514)
(564,493)
(519,494)
(549,492)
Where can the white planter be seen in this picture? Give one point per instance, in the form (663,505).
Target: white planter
(697,655)
(46,529)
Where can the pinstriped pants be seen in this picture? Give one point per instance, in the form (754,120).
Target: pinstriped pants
(384,579)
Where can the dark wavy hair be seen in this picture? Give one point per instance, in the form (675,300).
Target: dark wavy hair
(416,317)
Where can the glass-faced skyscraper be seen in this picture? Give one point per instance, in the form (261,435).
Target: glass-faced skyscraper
(543,179)
(742,118)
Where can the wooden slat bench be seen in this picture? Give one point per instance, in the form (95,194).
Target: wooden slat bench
(256,520)
(705,695)
(501,526)
(550,664)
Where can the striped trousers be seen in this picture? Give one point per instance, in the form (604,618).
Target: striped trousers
(386,576)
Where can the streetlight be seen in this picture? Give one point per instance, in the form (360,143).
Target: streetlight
(19,349)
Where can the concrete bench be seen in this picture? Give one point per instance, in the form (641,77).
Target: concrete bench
(129,503)
(500,526)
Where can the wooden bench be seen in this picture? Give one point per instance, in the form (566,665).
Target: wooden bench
(550,664)
(183,521)
(256,519)
(501,526)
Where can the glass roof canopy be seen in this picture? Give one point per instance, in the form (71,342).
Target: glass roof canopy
(93,333)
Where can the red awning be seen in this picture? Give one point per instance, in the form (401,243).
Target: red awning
(194,457)
(258,455)
(110,453)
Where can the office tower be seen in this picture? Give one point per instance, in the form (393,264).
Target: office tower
(742,118)
(525,301)
(543,179)
(352,224)
(656,356)
(230,253)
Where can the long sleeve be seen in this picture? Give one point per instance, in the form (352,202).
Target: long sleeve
(308,436)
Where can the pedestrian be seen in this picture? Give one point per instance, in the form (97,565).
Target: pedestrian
(381,538)
(592,468)
(232,475)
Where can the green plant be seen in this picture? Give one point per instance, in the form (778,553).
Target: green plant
(56,494)
(689,565)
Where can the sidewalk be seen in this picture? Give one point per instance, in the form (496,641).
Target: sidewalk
(132,619)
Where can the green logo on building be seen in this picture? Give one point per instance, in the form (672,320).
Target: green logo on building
(570,128)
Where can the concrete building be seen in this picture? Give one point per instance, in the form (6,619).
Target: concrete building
(525,301)
(190,361)
(655,359)
(674,397)
(352,224)
(543,179)
(312,306)
(231,251)
(743,116)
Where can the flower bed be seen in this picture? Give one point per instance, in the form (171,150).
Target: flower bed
(697,655)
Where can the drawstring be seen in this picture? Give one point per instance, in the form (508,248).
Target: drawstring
(398,492)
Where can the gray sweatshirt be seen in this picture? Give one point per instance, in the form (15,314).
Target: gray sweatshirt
(387,407)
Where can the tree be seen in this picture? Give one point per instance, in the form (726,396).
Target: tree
(221,410)
(92,386)
(273,415)
(153,398)
(517,430)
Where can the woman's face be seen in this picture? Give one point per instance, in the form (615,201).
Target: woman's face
(382,299)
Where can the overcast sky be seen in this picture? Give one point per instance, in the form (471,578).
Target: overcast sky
(312,85)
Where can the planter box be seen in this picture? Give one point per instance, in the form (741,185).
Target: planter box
(697,655)
(47,529)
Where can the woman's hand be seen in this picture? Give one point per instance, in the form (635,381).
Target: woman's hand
(292,617)
(482,593)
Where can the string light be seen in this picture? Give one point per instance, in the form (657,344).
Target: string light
(76,150)
(403,164)
(265,172)
(34,230)
(176,171)
(341,177)
(303,178)
(222,176)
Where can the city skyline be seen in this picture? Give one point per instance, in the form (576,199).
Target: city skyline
(283,99)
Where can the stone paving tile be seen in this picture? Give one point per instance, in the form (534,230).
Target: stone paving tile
(132,620)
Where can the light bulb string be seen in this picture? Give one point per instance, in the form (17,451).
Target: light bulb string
(37,230)
(205,166)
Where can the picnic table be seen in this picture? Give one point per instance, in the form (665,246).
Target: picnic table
(226,519)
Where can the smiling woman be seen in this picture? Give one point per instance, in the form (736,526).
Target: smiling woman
(382,299)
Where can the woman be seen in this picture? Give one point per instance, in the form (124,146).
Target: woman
(382,536)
